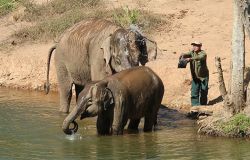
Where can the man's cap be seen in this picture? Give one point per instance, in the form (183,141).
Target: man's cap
(196,43)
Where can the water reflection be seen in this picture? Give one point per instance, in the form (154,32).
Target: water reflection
(30,128)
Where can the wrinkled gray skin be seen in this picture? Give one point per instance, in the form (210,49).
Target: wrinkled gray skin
(130,94)
(92,50)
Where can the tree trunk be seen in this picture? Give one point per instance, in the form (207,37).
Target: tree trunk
(238,60)
(229,82)
(248,95)
(222,86)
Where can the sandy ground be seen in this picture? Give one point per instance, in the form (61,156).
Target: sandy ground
(207,21)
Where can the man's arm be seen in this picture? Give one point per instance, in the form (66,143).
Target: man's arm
(186,55)
(201,56)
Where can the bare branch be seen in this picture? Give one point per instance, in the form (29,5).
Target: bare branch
(222,86)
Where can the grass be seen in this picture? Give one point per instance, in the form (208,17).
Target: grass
(36,12)
(6,6)
(53,27)
(126,16)
(239,124)
(52,19)
(145,20)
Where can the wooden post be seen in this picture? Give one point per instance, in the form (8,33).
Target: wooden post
(222,86)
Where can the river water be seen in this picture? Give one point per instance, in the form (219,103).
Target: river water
(30,128)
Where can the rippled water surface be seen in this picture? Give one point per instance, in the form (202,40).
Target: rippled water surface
(30,128)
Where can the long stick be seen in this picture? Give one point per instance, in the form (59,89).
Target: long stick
(222,86)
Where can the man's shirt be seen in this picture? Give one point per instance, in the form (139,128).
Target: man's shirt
(198,64)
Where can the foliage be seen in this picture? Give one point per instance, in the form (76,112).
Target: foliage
(6,6)
(146,20)
(126,16)
(238,124)
(53,18)
(35,12)
(54,27)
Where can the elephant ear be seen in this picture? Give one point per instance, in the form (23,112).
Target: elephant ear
(152,49)
(108,99)
(106,50)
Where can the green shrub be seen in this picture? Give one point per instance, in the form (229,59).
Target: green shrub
(126,16)
(6,6)
(238,124)
(144,19)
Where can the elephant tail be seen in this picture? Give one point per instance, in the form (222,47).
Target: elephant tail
(47,84)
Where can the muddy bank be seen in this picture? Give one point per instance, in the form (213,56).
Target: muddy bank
(25,67)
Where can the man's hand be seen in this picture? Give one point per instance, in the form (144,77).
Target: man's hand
(188,59)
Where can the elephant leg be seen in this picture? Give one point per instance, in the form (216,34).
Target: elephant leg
(149,121)
(65,97)
(65,86)
(148,124)
(124,123)
(133,124)
(117,129)
(78,89)
(119,124)
(155,124)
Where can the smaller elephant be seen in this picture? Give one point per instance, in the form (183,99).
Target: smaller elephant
(130,94)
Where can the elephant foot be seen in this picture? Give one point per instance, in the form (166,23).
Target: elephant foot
(133,131)
(147,129)
(117,132)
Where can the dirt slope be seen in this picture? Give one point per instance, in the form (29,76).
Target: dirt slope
(207,21)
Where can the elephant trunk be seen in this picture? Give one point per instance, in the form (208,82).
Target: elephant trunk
(71,131)
(71,119)
(127,63)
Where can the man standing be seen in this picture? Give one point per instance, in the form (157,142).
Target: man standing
(199,72)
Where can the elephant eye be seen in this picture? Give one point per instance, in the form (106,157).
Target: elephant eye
(118,61)
(89,101)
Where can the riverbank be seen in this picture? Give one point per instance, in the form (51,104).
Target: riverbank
(23,65)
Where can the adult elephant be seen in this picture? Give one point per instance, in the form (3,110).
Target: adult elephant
(92,50)
(130,94)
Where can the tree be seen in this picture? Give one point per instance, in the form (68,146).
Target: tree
(238,96)
(235,98)
(238,59)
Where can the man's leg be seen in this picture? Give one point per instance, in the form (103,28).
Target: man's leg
(195,90)
(204,91)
